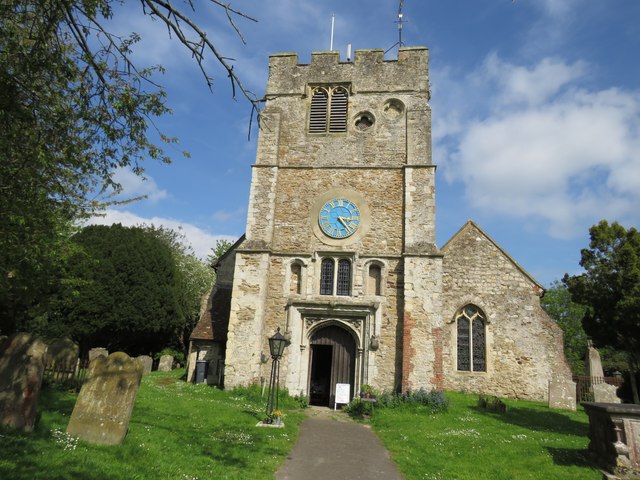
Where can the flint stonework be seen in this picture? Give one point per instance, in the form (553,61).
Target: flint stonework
(21,369)
(103,409)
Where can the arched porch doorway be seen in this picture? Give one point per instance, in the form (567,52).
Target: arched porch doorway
(332,360)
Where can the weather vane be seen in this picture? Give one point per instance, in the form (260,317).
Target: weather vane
(400,23)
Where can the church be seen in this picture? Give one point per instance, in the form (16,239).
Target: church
(340,252)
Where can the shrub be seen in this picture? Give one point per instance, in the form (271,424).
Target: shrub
(434,400)
(359,408)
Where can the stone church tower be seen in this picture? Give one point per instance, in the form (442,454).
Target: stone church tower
(339,251)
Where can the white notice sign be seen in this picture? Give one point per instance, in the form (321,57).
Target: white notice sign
(343,394)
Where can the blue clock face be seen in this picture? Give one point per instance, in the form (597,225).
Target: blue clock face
(339,218)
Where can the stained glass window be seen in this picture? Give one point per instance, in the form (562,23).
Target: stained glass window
(326,276)
(471,335)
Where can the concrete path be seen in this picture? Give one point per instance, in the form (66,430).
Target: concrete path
(333,447)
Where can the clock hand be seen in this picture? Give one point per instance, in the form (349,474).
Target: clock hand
(343,221)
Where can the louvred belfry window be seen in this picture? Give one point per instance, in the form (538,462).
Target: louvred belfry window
(471,339)
(328,112)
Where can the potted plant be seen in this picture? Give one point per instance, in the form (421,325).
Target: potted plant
(276,417)
(367,391)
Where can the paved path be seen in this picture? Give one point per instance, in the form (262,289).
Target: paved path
(332,447)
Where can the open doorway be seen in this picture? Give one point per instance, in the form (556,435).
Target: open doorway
(332,361)
(320,383)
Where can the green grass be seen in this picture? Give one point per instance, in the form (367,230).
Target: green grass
(178,431)
(181,431)
(529,441)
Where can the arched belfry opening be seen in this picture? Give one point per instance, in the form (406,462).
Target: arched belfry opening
(332,359)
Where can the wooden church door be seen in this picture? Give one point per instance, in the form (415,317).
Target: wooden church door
(333,358)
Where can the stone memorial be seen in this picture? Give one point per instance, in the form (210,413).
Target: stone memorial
(593,363)
(98,352)
(103,409)
(21,369)
(166,363)
(605,393)
(614,437)
(147,363)
(562,394)
(61,358)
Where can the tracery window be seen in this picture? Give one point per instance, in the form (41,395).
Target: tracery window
(328,112)
(471,336)
(335,278)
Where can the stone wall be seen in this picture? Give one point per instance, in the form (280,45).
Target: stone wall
(524,347)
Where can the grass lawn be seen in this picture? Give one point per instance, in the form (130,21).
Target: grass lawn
(181,431)
(529,441)
(178,431)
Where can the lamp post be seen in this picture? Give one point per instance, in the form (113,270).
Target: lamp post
(277,343)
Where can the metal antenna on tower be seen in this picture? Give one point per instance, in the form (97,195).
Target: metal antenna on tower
(400,23)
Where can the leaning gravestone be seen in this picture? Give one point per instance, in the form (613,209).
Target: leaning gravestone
(562,394)
(593,363)
(166,363)
(103,409)
(147,363)
(605,393)
(98,352)
(21,369)
(62,358)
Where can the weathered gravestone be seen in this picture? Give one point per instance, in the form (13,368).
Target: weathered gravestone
(593,363)
(61,358)
(605,393)
(147,363)
(21,369)
(98,352)
(562,394)
(166,363)
(103,409)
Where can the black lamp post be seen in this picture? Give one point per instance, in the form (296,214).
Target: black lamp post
(277,343)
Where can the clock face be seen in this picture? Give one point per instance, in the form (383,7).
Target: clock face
(339,218)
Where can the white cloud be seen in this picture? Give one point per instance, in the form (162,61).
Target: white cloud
(135,186)
(201,242)
(548,150)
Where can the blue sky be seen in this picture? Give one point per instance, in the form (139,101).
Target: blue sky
(536,115)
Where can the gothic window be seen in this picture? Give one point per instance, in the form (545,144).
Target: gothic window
(335,277)
(326,276)
(328,112)
(374,280)
(471,336)
(344,277)
(295,285)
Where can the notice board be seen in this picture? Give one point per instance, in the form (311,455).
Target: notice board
(343,394)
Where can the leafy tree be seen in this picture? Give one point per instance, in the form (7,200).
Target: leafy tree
(610,289)
(73,108)
(222,246)
(568,315)
(124,293)
(195,278)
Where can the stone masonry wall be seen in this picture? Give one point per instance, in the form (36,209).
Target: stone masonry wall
(524,347)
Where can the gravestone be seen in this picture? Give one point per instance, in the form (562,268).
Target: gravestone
(98,352)
(147,363)
(103,409)
(166,363)
(562,394)
(21,369)
(62,358)
(593,364)
(605,393)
